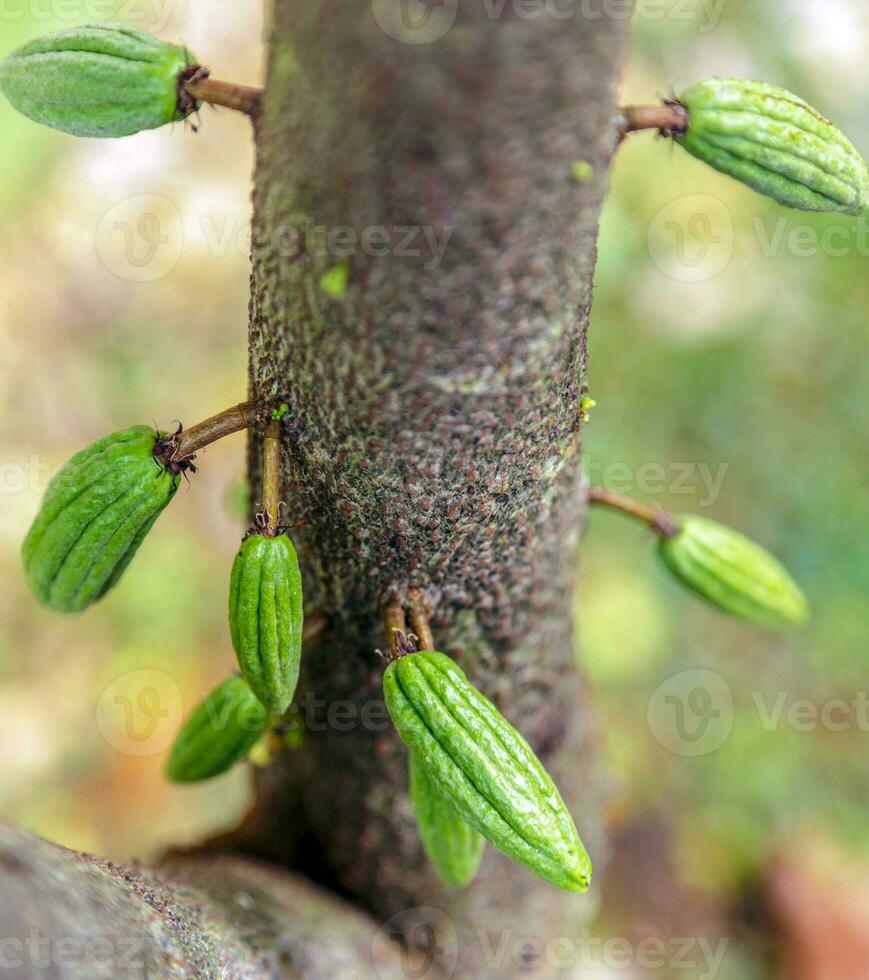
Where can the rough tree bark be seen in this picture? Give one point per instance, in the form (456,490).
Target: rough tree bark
(434,434)
(433,442)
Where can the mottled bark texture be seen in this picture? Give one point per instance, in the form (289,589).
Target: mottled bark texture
(67,915)
(433,442)
(435,430)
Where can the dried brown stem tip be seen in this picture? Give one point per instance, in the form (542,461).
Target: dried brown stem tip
(176,451)
(197,85)
(670,119)
(395,627)
(271,477)
(658,519)
(419,623)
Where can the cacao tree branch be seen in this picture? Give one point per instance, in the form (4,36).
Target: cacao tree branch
(670,118)
(68,915)
(186,443)
(271,479)
(201,87)
(658,519)
(435,433)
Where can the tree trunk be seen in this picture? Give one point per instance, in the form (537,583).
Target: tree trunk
(434,435)
(433,442)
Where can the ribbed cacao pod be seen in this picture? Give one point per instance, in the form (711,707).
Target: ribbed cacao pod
(220,732)
(265,617)
(98,80)
(733,573)
(454,847)
(777,144)
(476,759)
(95,514)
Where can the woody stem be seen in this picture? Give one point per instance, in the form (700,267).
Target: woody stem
(190,441)
(394,626)
(271,477)
(658,519)
(419,623)
(242,98)
(669,118)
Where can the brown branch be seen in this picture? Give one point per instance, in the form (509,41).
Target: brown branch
(271,479)
(395,627)
(670,119)
(658,519)
(190,441)
(419,619)
(202,88)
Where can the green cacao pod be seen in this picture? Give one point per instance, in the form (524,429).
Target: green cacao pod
(220,732)
(774,142)
(453,845)
(265,617)
(95,514)
(733,573)
(476,759)
(98,80)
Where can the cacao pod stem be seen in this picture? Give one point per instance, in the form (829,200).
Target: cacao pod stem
(199,86)
(177,450)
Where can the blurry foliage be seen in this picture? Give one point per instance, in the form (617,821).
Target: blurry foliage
(760,368)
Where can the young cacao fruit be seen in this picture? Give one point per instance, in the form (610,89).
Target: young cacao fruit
(476,759)
(220,732)
(454,847)
(98,80)
(265,617)
(733,573)
(776,143)
(95,514)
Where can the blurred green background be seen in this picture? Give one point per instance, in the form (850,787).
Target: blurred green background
(727,360)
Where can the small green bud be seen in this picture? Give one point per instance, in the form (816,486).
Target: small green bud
(775,143)
(733,573)
(103,80)
(334,282)
(220,732)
